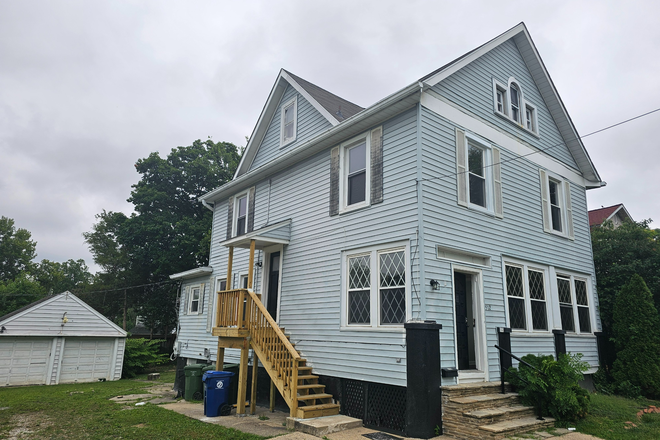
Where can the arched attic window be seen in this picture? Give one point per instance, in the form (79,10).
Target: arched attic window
(509,102)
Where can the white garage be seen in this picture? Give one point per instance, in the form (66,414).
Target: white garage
(59,339)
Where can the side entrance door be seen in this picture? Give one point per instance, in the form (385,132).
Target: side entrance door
(463,324)
(272,281)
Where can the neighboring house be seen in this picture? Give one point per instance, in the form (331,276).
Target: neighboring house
(617,214)
(59,339)
(460,198)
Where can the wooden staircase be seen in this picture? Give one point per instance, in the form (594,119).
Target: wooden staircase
(242,321)
(479,411)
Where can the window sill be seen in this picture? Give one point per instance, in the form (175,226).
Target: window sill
(532,333)
(481,210)
(392,329)
(557,234)
(520,126)
(287,143)
(352,208)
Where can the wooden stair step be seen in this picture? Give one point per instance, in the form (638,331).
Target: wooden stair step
(307,377)
(488,413)
(304,368)
(517,425)
(310,386)
(482,398)
(322,410)
(315,396)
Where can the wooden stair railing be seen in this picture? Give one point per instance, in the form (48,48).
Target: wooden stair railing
(243,314)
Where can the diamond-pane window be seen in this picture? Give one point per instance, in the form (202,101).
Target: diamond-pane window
(582,306)
(536,285)
(385,296)
(537,297)
(514,281)
(517,313)
(581,293)
(516,293)
(564,288)
(565,304)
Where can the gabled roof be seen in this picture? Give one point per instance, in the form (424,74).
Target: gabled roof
(24,308)
(546,87)
(600,215)
(192,273)
(331,106)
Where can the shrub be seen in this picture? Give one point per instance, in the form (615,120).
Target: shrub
(140,354)
(555,389)
(637,340)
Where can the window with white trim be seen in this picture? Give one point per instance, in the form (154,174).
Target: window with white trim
(556,205)
(376,292)
(355,179)
(574,303)
(289,121)
(478,174)
(194,300)
(240,214)
(526,297)
(509,102)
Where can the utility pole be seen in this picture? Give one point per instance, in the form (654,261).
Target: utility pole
(124,309)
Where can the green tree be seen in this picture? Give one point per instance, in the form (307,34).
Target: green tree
(169,231)
(636,334)
(16,250)
(19,292)
(619,253)
(54,277)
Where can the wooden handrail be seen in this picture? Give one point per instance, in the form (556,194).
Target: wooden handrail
(256,300)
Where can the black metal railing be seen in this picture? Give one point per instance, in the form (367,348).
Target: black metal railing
(539,407)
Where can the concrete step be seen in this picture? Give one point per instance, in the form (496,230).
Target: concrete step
(483,401)
(322,426)
(476,388)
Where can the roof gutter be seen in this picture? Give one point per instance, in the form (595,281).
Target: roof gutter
(307,149)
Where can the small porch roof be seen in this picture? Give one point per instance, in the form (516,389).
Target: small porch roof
(278,233)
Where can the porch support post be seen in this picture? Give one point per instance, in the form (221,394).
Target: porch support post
(253,390)
(220,358)
(272,396)
(242,379)
(230,260)
(423,393)
(251,267)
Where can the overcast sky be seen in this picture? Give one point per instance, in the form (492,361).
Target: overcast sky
(88,87)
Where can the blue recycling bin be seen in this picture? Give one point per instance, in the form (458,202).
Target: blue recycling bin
(216,393)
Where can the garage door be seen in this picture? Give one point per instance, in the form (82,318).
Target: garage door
(86,359)
(24,361)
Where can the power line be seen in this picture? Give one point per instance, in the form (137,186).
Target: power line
(77,291)
(541,150)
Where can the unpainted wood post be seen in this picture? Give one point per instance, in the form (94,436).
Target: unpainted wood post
(253,391)
(272,396)
(230,261)
(253,244)
(220,358)
(242,380)
(294,388)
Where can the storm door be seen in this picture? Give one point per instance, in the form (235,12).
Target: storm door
(273,283)
(465,321)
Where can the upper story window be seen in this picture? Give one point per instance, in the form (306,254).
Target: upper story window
(556,205)
(376,287)
(509,102)
(289,121)
(241,214)
(478,174)
(355,172)
(194,300)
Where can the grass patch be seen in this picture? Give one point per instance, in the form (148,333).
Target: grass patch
(83,411)
(608,416)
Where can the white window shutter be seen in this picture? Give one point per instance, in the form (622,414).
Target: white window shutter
(545,202)
(569,211)
(184,299)
(461,174)
(497,184)
(210,308)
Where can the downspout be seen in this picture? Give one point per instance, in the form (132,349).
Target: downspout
(207,205)
(420,211)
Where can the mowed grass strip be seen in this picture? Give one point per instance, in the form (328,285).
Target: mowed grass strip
(608,416)
(84,411)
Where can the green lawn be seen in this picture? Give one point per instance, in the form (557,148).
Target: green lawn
(608,416)
(83,411)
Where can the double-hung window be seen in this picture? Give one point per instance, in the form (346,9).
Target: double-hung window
(556,205)
(289,122)
(574,303)
(355,183)
(194,301)
(515,102)
(376,287)
(241,209)
(526,297)
(478,174)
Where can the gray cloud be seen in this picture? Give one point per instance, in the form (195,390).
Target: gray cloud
(87,88)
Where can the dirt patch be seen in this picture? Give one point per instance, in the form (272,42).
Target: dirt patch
(140,425)
(28,426)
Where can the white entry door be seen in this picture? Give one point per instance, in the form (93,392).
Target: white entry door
(24,361)
(87,359)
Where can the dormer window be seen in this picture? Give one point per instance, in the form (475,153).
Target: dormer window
(509,102)
(289,122)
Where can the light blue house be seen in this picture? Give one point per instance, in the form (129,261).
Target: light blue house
(461,199)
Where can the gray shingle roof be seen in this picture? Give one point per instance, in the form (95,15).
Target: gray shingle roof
(338,107)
